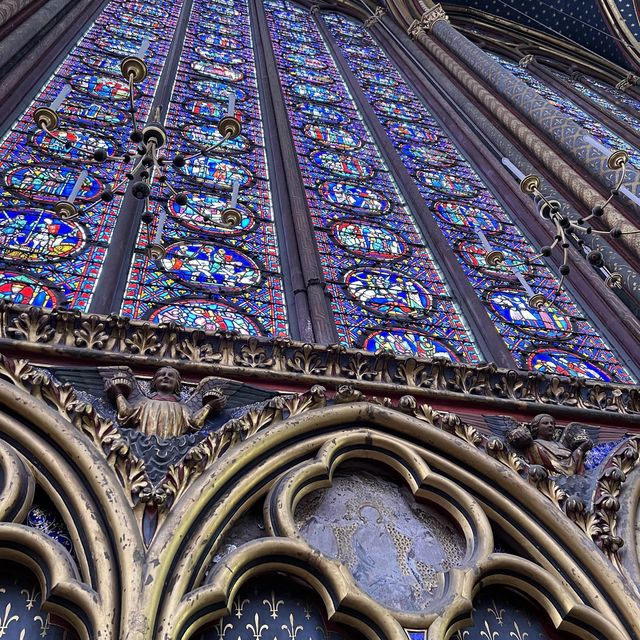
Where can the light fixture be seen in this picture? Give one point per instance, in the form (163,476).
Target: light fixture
(150,165)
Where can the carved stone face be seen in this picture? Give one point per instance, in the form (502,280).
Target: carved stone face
(546,427)
(167,380)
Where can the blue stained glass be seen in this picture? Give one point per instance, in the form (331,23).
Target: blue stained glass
(385,290)
(399,110)
(312,75)
(239,266)
(369,240)
(34,234)
(207,316)
(405,342)
(472,220)
(37,170)
(210,265)
(21,289)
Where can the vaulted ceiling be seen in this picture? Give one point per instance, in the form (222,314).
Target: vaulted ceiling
(610,28)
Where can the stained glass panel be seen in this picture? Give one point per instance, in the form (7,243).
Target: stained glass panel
(474,223)
(213,277)
(45,260)
(386,290)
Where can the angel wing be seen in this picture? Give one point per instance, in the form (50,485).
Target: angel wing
(576,432)
(501,425)
(238,394)
(109,373)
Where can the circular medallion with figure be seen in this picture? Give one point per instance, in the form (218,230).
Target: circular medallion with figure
(219,171)
(564,363)
(408,342)
(447,184)
(203,213)
(388,293)
(101,86)
(334,137)
(73,144)
(320,113)
(354,196)
(462,215)
(21,289)
(368,240)
(210,266)
(342,164)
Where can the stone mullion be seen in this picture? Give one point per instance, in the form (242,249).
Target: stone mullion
(312,284)
(567,134)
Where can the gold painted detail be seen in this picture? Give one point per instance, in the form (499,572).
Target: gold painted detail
(116,340)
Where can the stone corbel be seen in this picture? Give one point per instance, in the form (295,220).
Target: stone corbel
(433,15)
(525,61)
(375,17)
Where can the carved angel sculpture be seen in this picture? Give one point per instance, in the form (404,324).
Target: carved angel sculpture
(564,454)
(162,413)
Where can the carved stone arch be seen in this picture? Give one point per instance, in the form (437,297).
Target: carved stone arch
(343,604)
(89,498)
(208,507)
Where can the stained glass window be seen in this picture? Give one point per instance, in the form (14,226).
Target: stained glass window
(603,135)
(386,289)
(213,276)
(46,260)
(557,338)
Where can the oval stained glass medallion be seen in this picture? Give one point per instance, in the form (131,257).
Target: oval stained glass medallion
(321,113)
(407,342)
(21,289)
(369,241)
(417,134)
(464,215)
(50,183)
(207,316)
(219,171)
(217,71)
(74,144)
(353,196)
(91,113)
(211,266)
(317,93)
(101,86)
(214,89)
(342,164)
(388,293)
(218,40)
(34,234)
(334,137)
(447,184)
(564,363)
(547,323)
(398,110)
(221,56)
(207,135)
(203,213)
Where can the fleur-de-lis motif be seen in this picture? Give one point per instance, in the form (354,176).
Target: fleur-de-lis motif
(222,628)
(44,624)
(31,596)
(273,604)
(7,619)
(307,611)
(498,613)
(322,631)
(292,629)
(517,634)
(239,606)
(257,629)
(487,633)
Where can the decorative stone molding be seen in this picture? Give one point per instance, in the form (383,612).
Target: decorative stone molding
(66,334)
(430,17)
(377,14)
(525,61)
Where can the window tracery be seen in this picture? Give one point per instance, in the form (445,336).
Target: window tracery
(557,338)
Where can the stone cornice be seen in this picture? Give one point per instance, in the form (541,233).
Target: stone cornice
(66,336)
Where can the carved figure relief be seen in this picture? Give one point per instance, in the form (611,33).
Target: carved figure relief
(162,413)
(560,453)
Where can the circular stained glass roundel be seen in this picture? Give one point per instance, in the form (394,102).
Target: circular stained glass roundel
(203,213)
(417,134)
(448,184)
(21,289)
(101,62)
(122,31)
(145,9)
(305,61)
(381,78)
(207,316)
(547,323)
(367,240)
(49,183)
(311,75)
(207,135)
(33,234)
(219,55)
(217,40)
(75,144)
(321,113)
(398,110)
(104,87)
(564,363)
(214,89)
(333,137)
(116,46)
(91,113)
(388,293)
(406,342)
(217,71)
(474,254)
(342,164)
(299,48)
(211,266)
(317,93)
(463,215)
(430,156)
(219,171)
(354,196)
